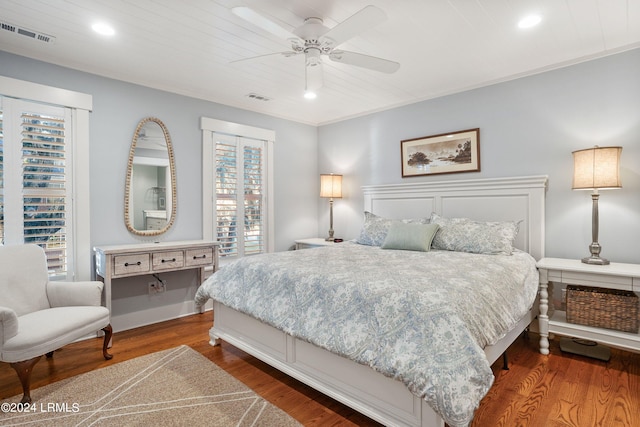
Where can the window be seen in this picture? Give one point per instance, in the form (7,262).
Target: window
(35,179)
(37,192)
(239,194)
(236,172)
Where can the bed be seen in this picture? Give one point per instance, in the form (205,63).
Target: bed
(383,377)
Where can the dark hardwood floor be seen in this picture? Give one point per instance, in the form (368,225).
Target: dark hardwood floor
(555,390)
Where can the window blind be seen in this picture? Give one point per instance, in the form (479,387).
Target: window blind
(35,177)
(253,200)
(227,198)
(44,186)
(240,197)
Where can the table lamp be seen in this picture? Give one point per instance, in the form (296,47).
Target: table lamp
(596,168)
(331,187)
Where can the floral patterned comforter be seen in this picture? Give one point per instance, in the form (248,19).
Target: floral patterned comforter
(422,318)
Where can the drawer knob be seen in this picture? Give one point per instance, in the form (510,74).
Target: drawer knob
(203,256)
(126,264)
(169,260)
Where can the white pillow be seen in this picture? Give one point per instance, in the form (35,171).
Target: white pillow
(465,235)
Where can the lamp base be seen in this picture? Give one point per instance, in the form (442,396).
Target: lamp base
(595,260)
(329,239)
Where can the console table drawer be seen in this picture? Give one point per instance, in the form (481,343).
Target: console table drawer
(196,257)
(158,258)
(130,264)
(168,260)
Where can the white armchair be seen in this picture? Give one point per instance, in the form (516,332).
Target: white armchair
(38,316)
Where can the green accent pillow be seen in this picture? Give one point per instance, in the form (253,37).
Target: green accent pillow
(410,237)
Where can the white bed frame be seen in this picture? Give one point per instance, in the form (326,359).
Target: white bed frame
(381,398)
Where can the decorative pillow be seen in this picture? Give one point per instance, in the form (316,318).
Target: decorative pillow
(375,228)
(465,235)
(410,237)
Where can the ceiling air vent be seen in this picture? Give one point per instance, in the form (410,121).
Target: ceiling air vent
(258,97)
(22,31)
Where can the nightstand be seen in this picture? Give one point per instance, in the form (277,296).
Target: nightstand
(619,276)
(314,242)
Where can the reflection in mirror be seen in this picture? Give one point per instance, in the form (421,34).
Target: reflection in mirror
(150,195)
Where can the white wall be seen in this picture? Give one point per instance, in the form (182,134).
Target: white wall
(528,126)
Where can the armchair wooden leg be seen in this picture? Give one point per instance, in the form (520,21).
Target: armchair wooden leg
(108,332)
(24,369)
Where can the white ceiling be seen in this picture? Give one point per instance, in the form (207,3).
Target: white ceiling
(443,46)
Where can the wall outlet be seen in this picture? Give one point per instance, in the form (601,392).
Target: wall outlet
(153,286)
(156,287)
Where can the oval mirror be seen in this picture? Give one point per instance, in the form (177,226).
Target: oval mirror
(150,192)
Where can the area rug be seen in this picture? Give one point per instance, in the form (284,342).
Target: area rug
(176,387)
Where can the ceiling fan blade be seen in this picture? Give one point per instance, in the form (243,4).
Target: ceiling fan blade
(260,21)
(286,54)
(362,20)
(364,61)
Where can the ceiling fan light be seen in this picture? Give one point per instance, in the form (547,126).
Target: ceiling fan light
(313,80)
(312,57)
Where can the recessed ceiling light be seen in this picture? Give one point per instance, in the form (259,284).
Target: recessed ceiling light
(103,28)
(310,94)
(529,21)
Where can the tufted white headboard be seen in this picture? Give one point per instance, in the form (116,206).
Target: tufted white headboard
(492,199)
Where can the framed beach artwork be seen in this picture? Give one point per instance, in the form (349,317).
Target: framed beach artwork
(445,153)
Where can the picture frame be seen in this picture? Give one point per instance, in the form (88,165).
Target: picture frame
(451,152)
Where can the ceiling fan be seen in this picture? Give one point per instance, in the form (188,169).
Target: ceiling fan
(315,40)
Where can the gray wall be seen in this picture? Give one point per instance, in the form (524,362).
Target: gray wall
(117,109)
(528,126)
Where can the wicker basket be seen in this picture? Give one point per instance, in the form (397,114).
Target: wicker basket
(602,308)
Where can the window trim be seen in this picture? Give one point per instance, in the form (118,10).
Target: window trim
(29,91)
(210,127)
(81,264)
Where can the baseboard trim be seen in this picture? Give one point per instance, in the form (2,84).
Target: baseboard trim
(136,319)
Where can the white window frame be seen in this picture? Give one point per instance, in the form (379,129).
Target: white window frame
(210,127)
(80,257)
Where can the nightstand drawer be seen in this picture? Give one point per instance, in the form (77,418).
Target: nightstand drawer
(130,264)
(196,257)
(168,260)
(602,281)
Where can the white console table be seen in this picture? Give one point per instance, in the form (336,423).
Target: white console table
(620,276)
(114,262)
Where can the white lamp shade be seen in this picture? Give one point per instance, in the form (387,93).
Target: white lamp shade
(331,186)
(597,167)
